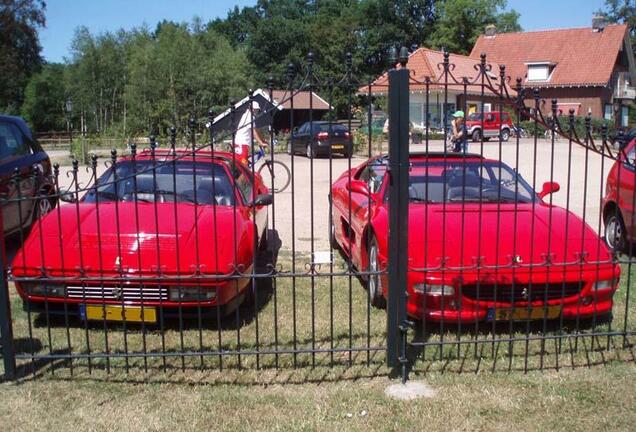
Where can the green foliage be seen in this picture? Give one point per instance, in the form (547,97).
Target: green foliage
(536,128)
(19,49)
(44,97)
(623,12)
(140,81)
(462,21)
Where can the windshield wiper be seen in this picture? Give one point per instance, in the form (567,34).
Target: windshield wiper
(420,199)
(179,195)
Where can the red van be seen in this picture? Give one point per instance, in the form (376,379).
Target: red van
(489,125)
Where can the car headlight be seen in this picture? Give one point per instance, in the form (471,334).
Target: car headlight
(45,290)
(604,285)
(434,290)
(191,293)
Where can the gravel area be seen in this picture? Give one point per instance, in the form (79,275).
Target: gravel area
(292,214)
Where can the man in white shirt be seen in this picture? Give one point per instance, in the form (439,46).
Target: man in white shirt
(245,135)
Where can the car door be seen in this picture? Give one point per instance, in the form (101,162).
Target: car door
(490,125)
(14,154)
(355,208)
(626,179)
(300,138)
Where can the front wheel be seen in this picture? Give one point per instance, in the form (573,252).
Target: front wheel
(276,175)
(476,135)
(376,294)
(505,135)
(44,205)
(615,235)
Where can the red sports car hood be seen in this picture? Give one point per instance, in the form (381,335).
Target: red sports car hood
(500,235)
(135,239)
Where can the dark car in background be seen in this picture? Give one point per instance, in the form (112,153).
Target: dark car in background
(321,138)
(26,196)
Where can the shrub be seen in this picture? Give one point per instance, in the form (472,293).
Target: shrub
(537,128)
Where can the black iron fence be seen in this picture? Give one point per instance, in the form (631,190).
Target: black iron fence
(243,246)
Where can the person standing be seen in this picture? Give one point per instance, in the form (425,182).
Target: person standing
(460,132)
(247,133)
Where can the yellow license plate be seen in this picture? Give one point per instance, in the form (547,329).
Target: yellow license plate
(337,147)
(524,313)
(121,313)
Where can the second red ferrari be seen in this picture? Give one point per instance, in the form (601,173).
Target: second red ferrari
(482,244)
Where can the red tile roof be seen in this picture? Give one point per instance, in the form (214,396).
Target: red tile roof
(581,56)
(303,99)
(426,62)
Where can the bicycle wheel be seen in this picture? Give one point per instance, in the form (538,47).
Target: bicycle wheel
(275,173)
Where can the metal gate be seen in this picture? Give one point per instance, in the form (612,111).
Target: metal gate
(191,253)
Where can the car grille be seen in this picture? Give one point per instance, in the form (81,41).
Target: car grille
(127,293)
(521,292)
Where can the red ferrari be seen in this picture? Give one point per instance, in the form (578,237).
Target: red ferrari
(482,245)
(619,203)
(170,234)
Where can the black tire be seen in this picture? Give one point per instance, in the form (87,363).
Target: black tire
(332,229)
(374,282)
(614,233)
(476,136)
(278,174)
(505,135)
(310,151)
(348,152)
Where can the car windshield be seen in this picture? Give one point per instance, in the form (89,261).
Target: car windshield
(459,181)
(475,116)
(181,181)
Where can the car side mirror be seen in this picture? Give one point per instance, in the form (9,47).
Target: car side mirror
(68,196)
(549,188)
(358,186)
(262,200)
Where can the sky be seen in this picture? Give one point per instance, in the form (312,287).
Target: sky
(64,16)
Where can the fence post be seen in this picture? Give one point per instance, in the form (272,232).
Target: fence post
(398,205)
(6,329)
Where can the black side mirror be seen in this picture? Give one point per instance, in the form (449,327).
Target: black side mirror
(262,200)
(68,196)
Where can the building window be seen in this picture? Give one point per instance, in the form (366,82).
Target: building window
(416,115)
(538,72)
(624,116)
(608,113)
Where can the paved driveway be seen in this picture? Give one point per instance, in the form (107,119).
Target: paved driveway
(293,212)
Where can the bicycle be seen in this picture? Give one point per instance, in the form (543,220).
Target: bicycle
(277,175)
(520,132)
(548,134)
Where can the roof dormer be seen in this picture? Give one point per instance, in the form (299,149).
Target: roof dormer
(539,71)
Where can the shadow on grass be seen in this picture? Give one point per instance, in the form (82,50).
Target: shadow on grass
(545,345)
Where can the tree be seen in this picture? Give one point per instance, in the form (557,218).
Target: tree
(44,99)
(19,48)
(387,23)
(461,22)
(622,12)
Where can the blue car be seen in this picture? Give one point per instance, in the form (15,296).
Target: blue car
(27,196)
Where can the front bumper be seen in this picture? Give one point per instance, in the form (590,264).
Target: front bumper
(545,292)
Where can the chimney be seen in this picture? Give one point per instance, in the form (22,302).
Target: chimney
(491,30)
(598,23)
